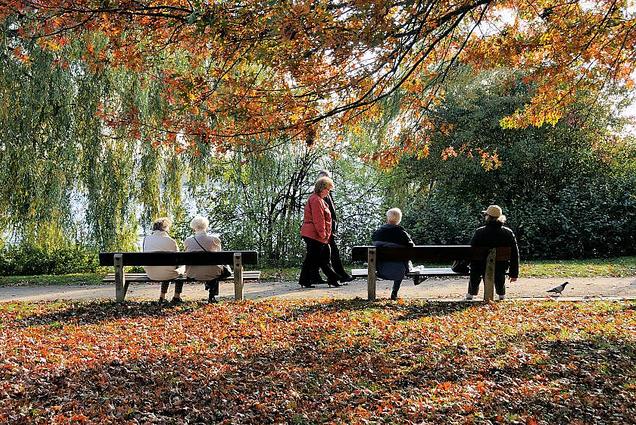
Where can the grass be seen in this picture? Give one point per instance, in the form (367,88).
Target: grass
(606,267)
(610,267)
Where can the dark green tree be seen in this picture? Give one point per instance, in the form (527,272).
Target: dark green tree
(568,189)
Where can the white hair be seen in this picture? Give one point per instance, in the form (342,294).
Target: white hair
(199,224)
(501,218)
(324,173)
(394,216)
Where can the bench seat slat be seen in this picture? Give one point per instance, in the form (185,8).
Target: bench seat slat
(430,253)
(433,271)
(142,277)
(162,258)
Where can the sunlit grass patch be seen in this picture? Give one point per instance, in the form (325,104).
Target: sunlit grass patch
(613,267)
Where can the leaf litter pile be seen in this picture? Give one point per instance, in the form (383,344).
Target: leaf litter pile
(317,362)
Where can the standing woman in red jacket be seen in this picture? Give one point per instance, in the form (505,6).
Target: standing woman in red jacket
(316,231)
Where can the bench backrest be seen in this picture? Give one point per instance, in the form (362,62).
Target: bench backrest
(441,253)
(162,258)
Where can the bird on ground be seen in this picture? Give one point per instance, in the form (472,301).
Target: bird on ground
(558,289)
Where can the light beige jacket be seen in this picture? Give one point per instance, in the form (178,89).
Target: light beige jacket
(161,241)
(203,242)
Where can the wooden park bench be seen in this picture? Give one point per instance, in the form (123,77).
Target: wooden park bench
(159,258)
(431,254)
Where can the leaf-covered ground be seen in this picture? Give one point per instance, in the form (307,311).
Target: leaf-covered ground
(318,362)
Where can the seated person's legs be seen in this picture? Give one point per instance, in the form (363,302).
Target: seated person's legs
(396,287)
(500,283)
(164,290)
(178,289)
(476,273)
(213,290)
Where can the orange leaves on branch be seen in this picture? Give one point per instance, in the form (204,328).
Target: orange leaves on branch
(488,161)
(20,55)
(251,69)
(449,152)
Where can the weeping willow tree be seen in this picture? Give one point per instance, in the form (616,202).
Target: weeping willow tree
(256,199)
(66,173)
(38,161)
(70,173)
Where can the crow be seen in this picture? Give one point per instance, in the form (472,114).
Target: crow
(558,289)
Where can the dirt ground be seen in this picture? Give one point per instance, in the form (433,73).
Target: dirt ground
(432,289)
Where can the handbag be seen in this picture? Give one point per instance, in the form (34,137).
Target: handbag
(226,271)
(461,266)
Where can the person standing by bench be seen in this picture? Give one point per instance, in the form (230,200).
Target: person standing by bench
(159,240)
(393,235)
(494,234)
(316,231)
(201,241)
(336,262)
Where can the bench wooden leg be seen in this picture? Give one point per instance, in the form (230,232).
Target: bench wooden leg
(371,270)
(121,286)
(489,276)
(238,277)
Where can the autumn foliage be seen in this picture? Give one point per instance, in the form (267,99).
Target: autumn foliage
(318,362)
(234,70)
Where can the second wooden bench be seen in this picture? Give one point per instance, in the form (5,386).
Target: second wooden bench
(433,254)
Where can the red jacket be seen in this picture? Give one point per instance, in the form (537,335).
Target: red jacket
(316,220)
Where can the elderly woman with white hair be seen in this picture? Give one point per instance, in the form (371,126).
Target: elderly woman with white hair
(159,240)
(392,235)
(201,241)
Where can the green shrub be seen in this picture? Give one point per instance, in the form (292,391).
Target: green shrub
(28,259)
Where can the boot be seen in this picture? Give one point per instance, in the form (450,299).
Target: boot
(212,297)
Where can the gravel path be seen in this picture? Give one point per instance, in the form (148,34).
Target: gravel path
(432,289)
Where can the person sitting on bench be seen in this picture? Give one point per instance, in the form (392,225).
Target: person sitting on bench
(492,235)
(392,235)
(159,240)
(201,241)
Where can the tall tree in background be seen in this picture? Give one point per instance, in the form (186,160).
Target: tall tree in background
(568,190)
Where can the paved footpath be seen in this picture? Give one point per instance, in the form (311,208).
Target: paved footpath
(432,289)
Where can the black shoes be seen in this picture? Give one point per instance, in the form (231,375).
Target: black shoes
(211,284)
(334,284)
(174,301)
(347,278)
(212,299)
(306,285)
(394,296)
(417,279)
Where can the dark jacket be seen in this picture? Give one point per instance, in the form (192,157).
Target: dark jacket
(391,235)
(332,209)
(495,234)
